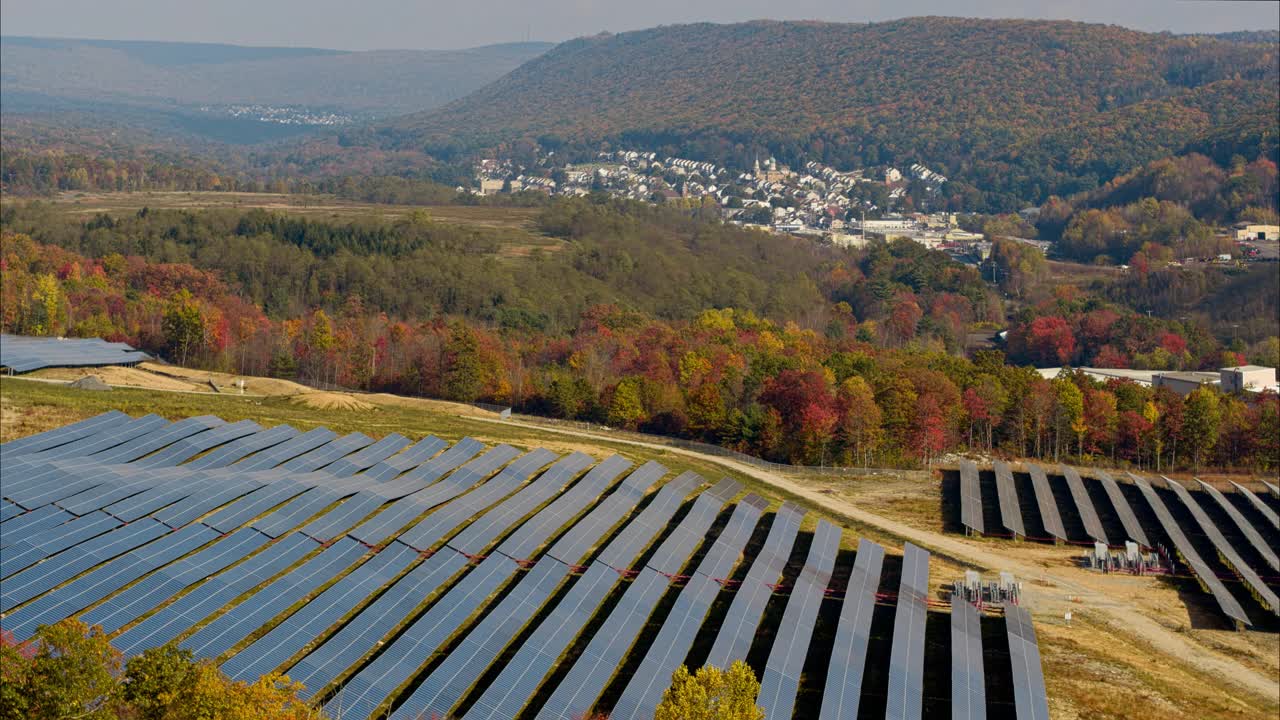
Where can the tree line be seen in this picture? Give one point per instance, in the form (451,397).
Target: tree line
(849,390)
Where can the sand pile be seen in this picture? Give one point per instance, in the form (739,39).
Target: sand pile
(331,401)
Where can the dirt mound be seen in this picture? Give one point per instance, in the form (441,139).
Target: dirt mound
(389,400)
(332,401)
(226,382)
(122,376)
(90,382)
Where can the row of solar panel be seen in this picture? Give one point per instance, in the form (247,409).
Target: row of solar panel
(188,579)
(1253,531)
(22,354)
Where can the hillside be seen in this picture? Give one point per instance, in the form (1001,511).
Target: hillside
(1015,109)
(121,78)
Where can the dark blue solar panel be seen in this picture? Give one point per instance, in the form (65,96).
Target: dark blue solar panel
(968,681)
(188,448)
(204,501)
(239,622)
(54,540)
(428,532)
(906,658)
(295,450)
(843,692)
(591,672)
(747,608)
(289,637)
(444,687)
(781,679)
(34,581)
(179,616)
(327,662)
(1029,697)
(675,638)
(104,580)
(31,524)
(63,435)
(242,448)
(169,581)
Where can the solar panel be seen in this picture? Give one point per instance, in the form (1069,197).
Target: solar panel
(542,650)
(1229,556)
(970,497)
(1010,509)
(310,622)
(108,437)
(906,658)
(1044,500)
(289,454)
(1121,505)
(427,533)
(1088,514)
(407,459)
(589,675)
(104,580)
(1258,504)
(203,501)
(530,535)
(1246,528)
(25,553)
(481,533)
(747,607)
(675,638)
(1187,552)
(443,688)
(32,523)
(244,447)
(843,691)
(346,647)
(424,636)
(781,679)
(169,581)
(1030,701)
(968,680)
(1273,488)
(402,512)
(179,616)
(62,435)
(239,622)
(37,580)
(10,510)
(23,354)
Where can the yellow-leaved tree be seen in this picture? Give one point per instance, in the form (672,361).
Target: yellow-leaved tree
(711,694)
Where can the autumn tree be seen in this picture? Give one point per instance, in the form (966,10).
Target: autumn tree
(711,694)
(185,325)
(1201,422)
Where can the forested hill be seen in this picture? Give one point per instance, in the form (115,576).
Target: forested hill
(1013,109)
(45,73)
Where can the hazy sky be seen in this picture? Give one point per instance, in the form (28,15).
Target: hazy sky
(370,24)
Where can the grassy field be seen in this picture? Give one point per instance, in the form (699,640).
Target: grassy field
(514,228)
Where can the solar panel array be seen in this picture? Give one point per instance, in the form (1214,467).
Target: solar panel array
(23,354)
(420,578)
(1084,505)
(1230,606)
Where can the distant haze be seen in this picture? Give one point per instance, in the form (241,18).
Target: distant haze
(406,24)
